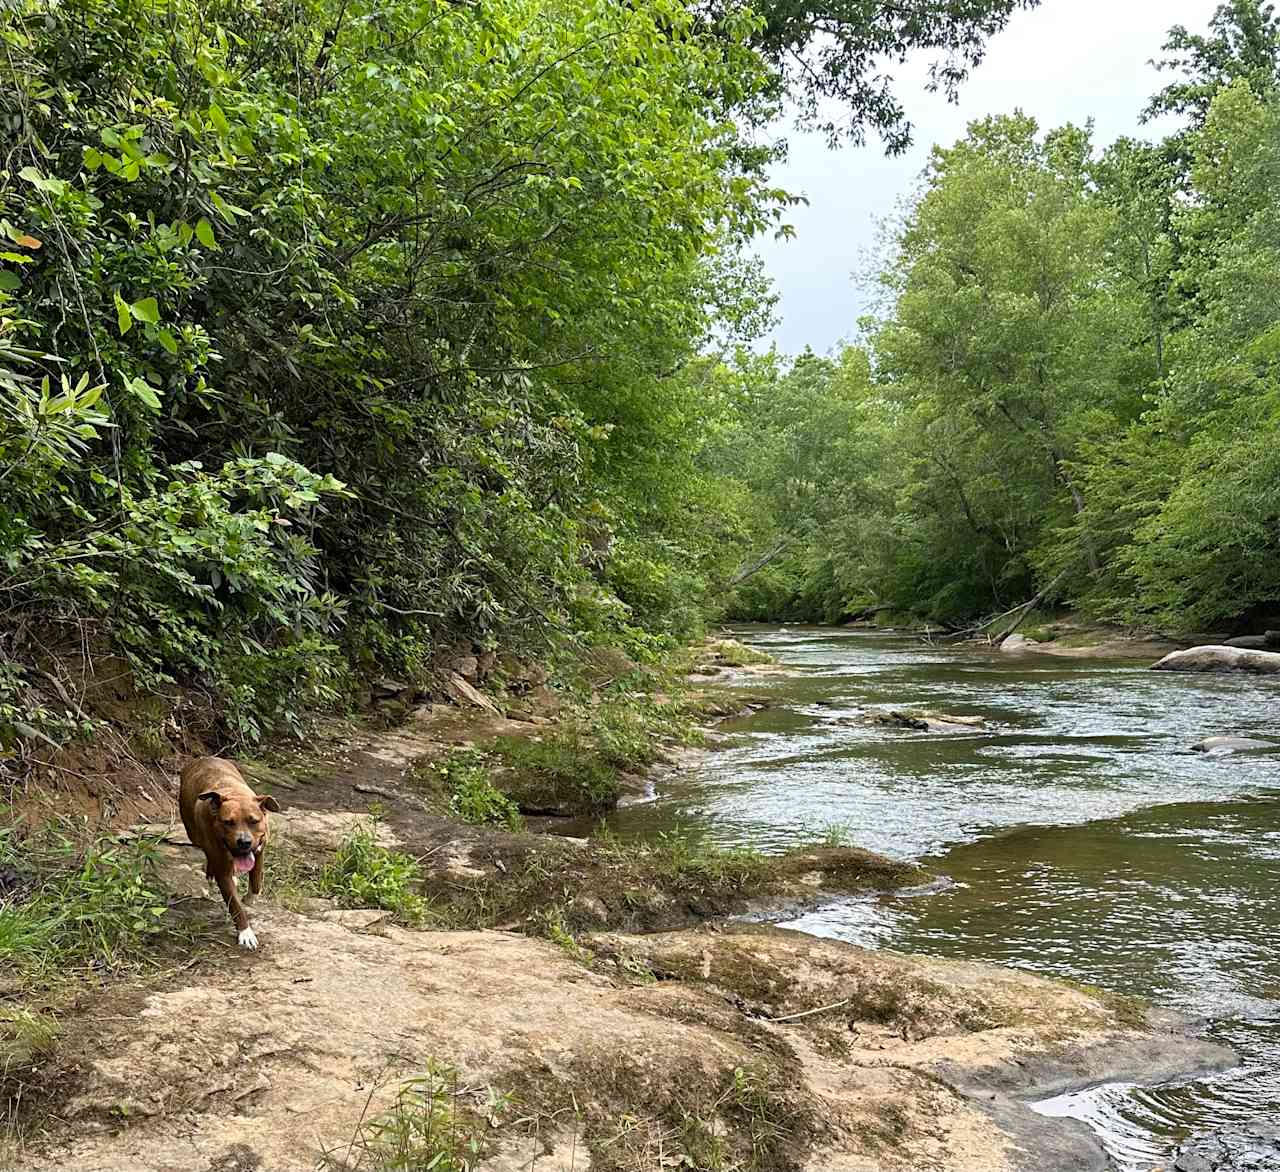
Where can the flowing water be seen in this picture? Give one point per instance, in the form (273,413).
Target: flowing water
(1080,837)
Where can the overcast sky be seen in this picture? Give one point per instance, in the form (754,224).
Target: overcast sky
(1066,61)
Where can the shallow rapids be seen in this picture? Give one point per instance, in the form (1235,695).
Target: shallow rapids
(1079,836)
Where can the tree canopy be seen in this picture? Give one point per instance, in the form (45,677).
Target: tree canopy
(834,58)
(1072,394)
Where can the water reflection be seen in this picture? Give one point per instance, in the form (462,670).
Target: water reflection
(1082,839)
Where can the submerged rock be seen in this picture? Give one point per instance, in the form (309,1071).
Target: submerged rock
(1255,1147)
(1223,745)
(1221,658)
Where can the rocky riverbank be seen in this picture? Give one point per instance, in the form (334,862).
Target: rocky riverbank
(551,1003)
(719,1048)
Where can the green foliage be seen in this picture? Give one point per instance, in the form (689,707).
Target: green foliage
(1072,388)
(1242,42)
(565,771)
(840,55)
(424,253)
(426,1130)
(472,795)
(363,873)
(70,908)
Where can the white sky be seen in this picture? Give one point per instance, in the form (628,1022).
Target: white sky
(1066,61)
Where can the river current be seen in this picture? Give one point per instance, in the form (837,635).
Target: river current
(1079,836)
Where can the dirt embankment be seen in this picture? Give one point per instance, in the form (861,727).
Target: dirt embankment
(637,1030)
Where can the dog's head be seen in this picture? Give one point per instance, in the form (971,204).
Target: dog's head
(240,821)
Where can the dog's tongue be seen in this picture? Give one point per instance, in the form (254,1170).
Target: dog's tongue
(243,863)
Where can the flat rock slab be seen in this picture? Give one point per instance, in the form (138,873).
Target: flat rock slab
(1219,658)
(266,1060)
(940,722)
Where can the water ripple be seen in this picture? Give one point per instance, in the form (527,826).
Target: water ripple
(1082,838)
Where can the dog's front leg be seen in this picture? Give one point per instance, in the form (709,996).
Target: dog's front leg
(227,885)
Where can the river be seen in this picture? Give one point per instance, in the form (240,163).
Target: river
(1078,835)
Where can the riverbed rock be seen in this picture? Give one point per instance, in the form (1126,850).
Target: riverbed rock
(924,721)
(1217,657)
(1255,1148)
(387,688)
(1220,746)
(1252,642)
(1270,641)
(465,694)
(1017,643)
(468,667)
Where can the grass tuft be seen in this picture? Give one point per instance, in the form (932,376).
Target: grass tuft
(69,908)
(25,1035)
(425,1131)
(837,835)
(364,874)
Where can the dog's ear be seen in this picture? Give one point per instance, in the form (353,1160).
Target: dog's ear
(213,798)
(267,802)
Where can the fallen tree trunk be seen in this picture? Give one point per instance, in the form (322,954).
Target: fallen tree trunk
(1028,606)
(1020,611)
(759,564)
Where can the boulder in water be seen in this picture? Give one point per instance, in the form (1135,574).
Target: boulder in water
(1018,643)
(924,721)
(1220,746)
(1217,657)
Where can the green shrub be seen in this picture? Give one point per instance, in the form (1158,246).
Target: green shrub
(472,795)
(233,308)
(364,873)
(564,771)
(67,908)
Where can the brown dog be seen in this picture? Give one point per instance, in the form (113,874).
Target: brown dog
(227,821)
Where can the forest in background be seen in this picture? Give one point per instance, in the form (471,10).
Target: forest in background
(333,334)
(1072,389)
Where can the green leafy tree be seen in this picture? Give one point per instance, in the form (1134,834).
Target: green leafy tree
(841,53)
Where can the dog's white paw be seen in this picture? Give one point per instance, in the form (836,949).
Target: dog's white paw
(248,939)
